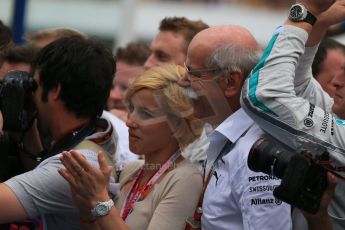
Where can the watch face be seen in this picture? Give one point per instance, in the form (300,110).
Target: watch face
(296,12)
(101,209)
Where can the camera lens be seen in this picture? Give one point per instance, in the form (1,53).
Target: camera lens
(265,157)
(303,180)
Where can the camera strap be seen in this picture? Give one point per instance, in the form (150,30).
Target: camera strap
(195,221)
(69,141)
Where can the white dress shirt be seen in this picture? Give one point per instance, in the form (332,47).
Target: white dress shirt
(236,197)
(123,154)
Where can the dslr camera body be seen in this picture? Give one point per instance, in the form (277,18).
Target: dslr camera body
(16,100)
(16,106)
(303,179)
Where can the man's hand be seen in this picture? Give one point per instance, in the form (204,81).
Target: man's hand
(335,14)
(321,220)
(316,6)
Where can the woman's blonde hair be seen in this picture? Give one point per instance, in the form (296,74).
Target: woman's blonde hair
(163,81)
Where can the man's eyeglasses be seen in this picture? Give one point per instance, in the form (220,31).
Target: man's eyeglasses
(199,73)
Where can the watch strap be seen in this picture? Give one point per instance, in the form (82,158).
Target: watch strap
(302,15)
(108,204)
(311,19)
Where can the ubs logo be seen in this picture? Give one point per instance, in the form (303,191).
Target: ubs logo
(308,122)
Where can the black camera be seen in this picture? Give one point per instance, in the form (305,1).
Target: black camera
(17,108)
(303,179)
(16,100)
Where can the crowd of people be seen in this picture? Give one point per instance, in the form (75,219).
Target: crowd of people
(160,136)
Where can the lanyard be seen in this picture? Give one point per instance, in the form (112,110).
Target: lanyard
(135,193)
(225,150)
(69,141)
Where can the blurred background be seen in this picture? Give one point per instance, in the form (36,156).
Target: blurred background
(118,22)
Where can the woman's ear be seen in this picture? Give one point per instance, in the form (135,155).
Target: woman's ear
(233,83)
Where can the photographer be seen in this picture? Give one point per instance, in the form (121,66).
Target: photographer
(286,101)
(73,78)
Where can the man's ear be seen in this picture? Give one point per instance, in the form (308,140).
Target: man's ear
(233,83)
(56,92)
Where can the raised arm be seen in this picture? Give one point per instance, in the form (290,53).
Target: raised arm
(269,94)
(305,85)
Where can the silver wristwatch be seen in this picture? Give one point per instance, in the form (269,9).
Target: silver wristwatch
(102,208)
(299,13)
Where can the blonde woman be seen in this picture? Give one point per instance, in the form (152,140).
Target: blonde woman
(160,192)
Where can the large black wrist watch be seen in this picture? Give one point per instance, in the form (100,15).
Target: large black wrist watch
(299,13)
(102,208)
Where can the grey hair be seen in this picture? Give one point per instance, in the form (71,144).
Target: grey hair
(234,58)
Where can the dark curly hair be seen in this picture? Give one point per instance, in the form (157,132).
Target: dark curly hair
(83,68)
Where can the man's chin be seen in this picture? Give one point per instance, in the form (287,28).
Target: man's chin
(339,112)
(202,108)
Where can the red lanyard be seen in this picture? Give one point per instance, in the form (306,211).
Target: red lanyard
(135,194)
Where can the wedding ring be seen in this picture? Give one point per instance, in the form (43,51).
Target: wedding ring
(81,171)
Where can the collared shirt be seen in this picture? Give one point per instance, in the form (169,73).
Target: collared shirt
(123,153)
(236,197)
(44,193)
